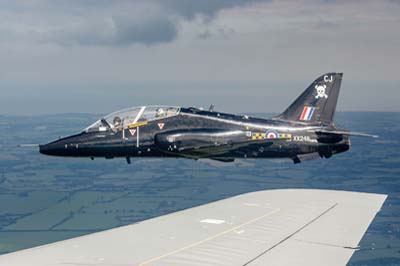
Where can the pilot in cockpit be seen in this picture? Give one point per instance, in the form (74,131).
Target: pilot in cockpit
(117,123)
(160,112)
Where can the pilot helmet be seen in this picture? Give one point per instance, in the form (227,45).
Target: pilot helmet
(117,121)
(160,111)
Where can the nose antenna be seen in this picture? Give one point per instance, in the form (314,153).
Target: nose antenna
(29,145)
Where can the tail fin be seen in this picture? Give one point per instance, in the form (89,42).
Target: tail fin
(317,104)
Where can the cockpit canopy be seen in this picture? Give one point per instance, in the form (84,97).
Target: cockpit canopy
(124,118)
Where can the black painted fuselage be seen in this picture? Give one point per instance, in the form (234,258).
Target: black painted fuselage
(304,131)
(194,133)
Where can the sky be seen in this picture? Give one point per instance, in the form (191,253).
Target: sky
(243,56)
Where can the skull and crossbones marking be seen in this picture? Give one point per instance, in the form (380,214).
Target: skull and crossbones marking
(321,91)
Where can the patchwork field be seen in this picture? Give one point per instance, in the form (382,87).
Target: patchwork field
(45,199)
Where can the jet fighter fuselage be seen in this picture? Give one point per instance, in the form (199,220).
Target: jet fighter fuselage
(304,131)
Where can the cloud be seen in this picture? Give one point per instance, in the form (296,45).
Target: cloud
(87,52)
(208,8)
(114,31)
(105,23)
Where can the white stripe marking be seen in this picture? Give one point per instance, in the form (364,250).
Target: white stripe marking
(212,221)
(139,114)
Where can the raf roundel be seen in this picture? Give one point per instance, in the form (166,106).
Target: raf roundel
(271,134)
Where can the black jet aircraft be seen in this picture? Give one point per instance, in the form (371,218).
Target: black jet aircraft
(305,130)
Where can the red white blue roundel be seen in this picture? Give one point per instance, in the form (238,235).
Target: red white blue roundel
(271,134)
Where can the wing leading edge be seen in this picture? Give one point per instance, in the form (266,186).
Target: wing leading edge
(272,227)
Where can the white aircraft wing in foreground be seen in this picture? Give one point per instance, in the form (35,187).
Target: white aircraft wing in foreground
(274,227)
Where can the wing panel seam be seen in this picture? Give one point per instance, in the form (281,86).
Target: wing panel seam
(292,234)
(326,244)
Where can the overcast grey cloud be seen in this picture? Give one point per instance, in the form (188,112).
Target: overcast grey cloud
(103,55)
(116,30)
(119,23)
(207,8)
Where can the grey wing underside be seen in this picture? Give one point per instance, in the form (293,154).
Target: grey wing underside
(275,227)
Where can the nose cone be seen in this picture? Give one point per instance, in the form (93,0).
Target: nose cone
(52,148)
(68,146)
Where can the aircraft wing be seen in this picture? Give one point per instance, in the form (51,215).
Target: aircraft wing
(204,143)
(274,227)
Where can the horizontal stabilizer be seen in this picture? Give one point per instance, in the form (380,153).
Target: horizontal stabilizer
(347,133)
